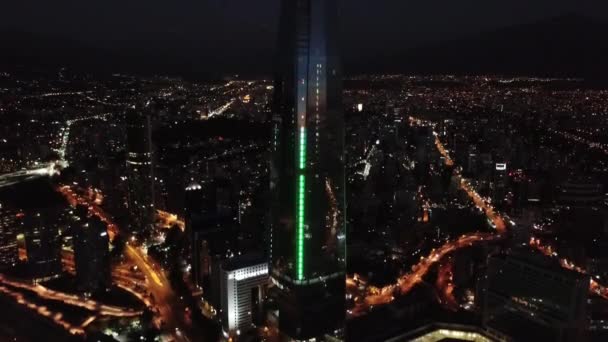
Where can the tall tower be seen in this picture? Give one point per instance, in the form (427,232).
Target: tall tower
(307,235)
(140,170)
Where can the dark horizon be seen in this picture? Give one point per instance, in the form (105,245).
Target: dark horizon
(179,41)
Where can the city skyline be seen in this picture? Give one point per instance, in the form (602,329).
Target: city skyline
(304,170)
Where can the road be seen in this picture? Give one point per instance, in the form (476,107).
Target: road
(594,286)
(222,109)
(367,296)
(54,167)
(41,170)
(72,299)
(168,220)
(372,296)
(170,307)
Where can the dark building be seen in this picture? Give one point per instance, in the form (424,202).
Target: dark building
(43,244)
(140,170)
(200,215)
(580,193)
(530,297)
(91,252)
(9,226)
(307,233)
(499,183)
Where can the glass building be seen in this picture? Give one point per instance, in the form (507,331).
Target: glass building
(307,235)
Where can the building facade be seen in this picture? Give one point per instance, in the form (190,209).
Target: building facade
(140,170)
(43,244)
(307,227)
(91,252)
(242,284)
(528,296)
(9,227)
(200,224)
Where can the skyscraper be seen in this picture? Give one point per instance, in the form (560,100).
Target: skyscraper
(9,226)
(43,244)
(140,170)
(201,220)
(91,252)
(307,233)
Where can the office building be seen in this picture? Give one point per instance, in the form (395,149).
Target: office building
(140,167)
(499,183)
(43,244)
(91,252)
(581,193)
(307,229)
(9,227)
(200,223)
(530,297)
(242,284)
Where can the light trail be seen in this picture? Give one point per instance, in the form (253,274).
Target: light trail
(72,299)
(44,170)
(445,285)
(140,260)
(56,317)
(372,296)
(222,109)
(581,140)
(165,299)
(368,296)
(168,220)
(51,168)
(75,199)
(548,250)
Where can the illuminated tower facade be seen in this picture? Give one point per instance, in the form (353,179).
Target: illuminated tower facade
(307,235)
(140,170)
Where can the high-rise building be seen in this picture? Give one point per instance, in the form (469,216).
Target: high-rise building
(530,297)
(499,187)
(43,244)
(200,223)
(91,252)
(140,169)
(307,229)
(243,281)
(9,226)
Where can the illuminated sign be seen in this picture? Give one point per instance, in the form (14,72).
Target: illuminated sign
(501,166)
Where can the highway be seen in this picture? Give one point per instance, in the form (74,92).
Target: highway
(366,297)
(371,296)
(445,286)
(52,168)
(71,299)
(222,109)
(42,310)
(170,307)
(594,286)
(41,170)
(168,220)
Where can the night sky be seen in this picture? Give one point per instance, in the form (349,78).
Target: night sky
(241,27)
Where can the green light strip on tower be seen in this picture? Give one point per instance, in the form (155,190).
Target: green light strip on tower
(302,148)
(301,205)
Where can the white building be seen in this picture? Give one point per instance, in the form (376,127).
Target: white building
(241,286)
